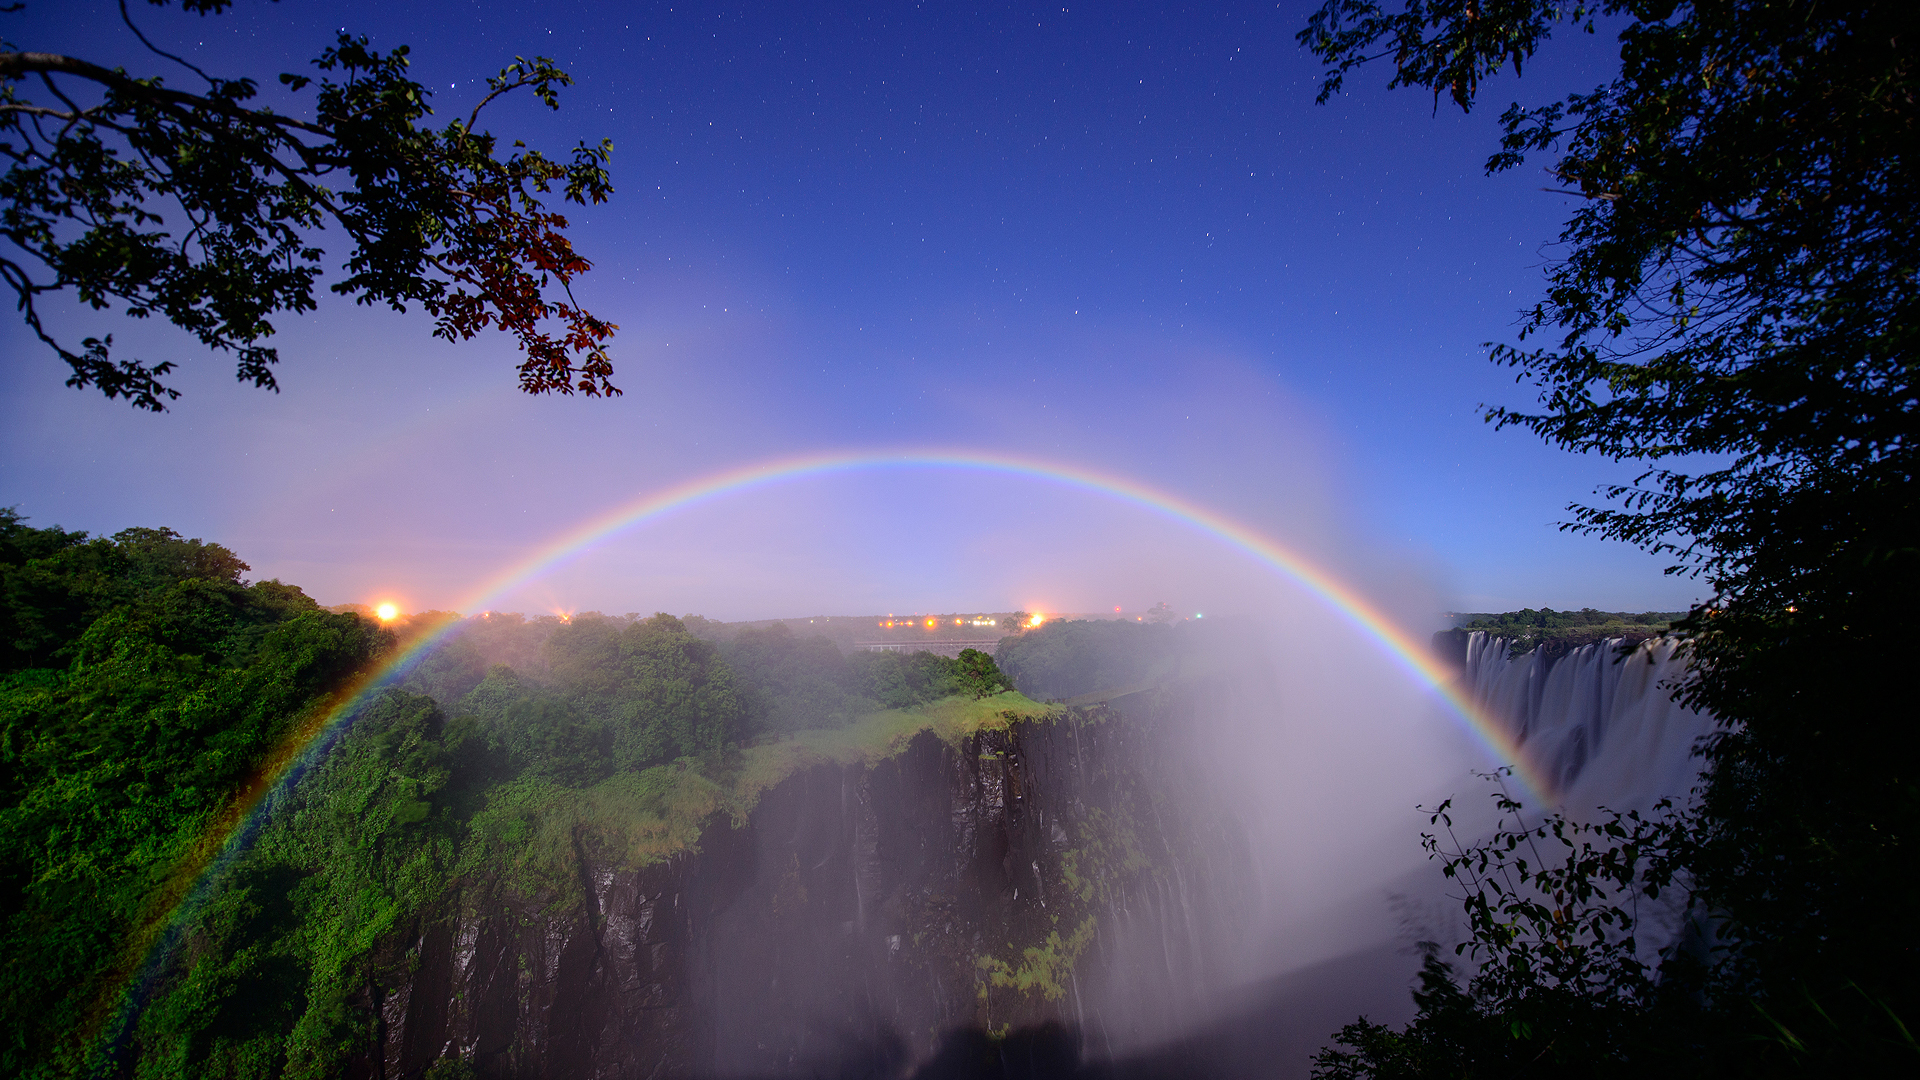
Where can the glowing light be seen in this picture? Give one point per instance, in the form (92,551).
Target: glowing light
(930,624)
(387,612)
(1036,620)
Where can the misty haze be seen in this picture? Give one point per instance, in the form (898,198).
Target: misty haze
(728,542)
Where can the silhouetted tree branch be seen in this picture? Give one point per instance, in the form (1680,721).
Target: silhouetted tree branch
(205,210)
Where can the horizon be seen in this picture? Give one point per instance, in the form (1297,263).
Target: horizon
(1125,240)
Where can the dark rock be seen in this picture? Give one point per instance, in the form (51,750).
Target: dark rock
(847,928)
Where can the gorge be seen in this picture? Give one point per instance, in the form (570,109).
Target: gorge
(999,879)
(616,846)
(1060,866)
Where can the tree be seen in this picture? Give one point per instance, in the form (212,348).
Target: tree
(1560,980)
(205,210)
(664,693)
(141,684)
(1734,308)
(787,682)
(978,675)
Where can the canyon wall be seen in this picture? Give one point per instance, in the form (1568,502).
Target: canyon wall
(1000,880)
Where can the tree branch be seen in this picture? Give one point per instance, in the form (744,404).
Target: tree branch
(151,47)
(17,65)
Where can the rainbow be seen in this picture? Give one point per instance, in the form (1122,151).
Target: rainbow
(1413,656)
(231,833)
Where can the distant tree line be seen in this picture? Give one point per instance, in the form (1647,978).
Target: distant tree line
(1556,631)
(1066,659)
(1518,622)
(753,682)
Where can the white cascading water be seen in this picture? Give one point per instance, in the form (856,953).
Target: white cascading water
(1601,729)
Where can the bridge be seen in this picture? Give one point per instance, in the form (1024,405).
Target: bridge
(940,647)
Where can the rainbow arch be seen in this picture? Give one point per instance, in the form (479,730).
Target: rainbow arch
(230,834)
(1412,655)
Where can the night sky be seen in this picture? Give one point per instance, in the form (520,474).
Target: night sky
(1118,236)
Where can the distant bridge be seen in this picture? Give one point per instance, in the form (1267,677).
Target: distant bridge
(948,648)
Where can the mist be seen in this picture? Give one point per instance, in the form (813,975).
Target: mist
(1288,725)
(694,808)
(1311,745)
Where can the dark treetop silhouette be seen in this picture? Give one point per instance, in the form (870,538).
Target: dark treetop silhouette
(1734,307)
(207,211)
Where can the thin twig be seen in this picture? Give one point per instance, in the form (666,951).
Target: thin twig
(128,19)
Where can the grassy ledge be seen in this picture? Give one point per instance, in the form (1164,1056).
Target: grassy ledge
(873,738)
(530,826)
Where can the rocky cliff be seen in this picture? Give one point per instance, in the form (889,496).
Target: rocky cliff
(1000,879)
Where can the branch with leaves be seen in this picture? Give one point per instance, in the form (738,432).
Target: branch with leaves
(1737,298)
(207,210)
(1560,978)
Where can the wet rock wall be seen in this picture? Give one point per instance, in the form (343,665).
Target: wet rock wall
(1018,876)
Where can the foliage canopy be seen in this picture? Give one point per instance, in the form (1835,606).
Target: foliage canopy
(1736,302)
(143,682)
(1734,308)
(202,208)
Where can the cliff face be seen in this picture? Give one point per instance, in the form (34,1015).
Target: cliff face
(1598,722)
(1017,876)
(589,983)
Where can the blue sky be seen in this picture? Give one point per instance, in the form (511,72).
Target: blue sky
(1119,236)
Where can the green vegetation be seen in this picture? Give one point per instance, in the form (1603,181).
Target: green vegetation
(800,683)
(1733,309)
(877,736)
(1042,969)
(1528,629)
(1552,910)
(778,682)
(142,684)
(1527,621)
(275,971)
(1065,659)
(145,687)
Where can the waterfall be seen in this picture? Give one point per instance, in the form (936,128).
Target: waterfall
(1602,729)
